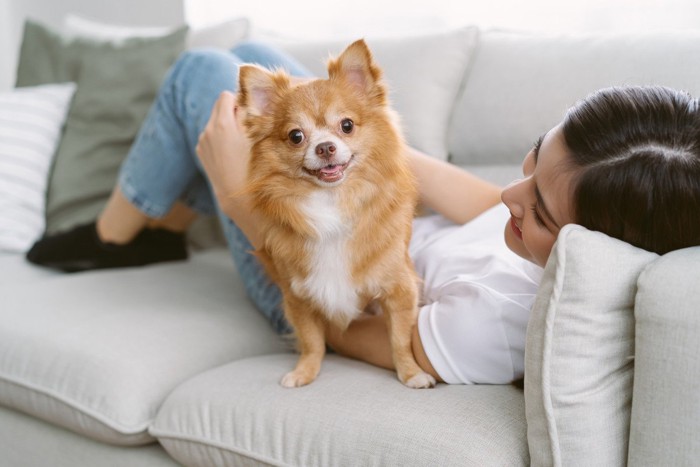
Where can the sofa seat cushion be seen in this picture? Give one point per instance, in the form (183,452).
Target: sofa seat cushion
(15,269)
(21,435)
(97,353)
(353,414)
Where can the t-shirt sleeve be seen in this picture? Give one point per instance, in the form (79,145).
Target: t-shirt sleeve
(474,334)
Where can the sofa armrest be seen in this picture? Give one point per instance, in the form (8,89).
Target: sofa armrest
(666,397)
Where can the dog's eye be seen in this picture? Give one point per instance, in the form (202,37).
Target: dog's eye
(296,137)
(347,125)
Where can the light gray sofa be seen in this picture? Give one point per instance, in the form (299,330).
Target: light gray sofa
(170,364)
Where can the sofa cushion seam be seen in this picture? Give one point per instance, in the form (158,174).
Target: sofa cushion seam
(163,434)
(101,418)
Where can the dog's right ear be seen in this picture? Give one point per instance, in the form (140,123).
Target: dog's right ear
(259,89)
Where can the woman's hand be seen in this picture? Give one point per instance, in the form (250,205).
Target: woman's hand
(224,150)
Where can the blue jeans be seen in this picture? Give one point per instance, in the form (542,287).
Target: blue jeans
(162,166)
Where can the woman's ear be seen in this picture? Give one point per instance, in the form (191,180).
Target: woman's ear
(356,66)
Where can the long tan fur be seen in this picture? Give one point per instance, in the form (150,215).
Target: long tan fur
(369,213)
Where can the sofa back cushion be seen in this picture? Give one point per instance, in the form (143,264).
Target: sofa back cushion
(520,84)
(579,353)
(424,73)
(665,423)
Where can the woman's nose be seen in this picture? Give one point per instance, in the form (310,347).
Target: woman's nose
(512,197)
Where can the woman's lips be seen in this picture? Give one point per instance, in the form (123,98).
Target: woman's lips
(516,229)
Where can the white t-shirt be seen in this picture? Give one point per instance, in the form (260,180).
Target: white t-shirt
(476,298)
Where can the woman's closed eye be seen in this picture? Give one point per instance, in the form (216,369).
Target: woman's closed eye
(538,218)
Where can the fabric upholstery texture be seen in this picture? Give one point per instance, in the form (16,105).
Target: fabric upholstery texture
(98,353)
(519,84)
(238,414)
(666,411)
(580,350)
(59,447)
(31,124)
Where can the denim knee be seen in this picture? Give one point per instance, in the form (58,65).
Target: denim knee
(194,84)
(269,56)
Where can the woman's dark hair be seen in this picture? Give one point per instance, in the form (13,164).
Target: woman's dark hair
(637,154)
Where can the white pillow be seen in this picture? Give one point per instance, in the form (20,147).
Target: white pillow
(579,351)
(424,72)
(31,123)
(222,35)
(78,26)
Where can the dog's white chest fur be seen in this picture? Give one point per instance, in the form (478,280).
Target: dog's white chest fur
(330,281)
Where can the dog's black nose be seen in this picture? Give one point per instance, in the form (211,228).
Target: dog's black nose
(325,150)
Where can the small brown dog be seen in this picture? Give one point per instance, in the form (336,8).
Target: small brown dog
(331,182)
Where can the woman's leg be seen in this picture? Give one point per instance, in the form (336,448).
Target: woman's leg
(195,88)
(181,112)
(262,291)
(159,170)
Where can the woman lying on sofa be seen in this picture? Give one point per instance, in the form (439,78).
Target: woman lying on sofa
(624,161)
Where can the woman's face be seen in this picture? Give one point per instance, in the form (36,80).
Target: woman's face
(540,203)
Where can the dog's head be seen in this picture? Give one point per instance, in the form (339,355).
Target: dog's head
(320,130)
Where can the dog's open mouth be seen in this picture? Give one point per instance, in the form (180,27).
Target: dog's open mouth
(330,173)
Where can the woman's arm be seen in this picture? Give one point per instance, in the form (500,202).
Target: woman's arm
(451,191)
(367,339)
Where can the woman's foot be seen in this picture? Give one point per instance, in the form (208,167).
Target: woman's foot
(81,249)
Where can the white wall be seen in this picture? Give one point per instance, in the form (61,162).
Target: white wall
(324,18)
(7,54)
(51,12)
(333,18)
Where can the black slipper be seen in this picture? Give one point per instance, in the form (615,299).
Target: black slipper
(80,249)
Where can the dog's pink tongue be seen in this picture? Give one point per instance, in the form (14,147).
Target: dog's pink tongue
(331,170)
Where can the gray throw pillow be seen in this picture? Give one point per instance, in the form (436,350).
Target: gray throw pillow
(116,87)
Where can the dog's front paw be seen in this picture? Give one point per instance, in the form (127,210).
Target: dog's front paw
(420,380)
(296,378)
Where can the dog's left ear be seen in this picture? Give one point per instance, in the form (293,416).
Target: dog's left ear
(356,66)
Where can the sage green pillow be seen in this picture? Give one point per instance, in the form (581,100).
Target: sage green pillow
(117,84)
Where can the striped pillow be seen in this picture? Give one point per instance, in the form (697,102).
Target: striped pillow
(31,123)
